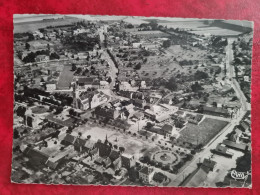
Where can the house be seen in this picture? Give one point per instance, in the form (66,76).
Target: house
(222,150)
(35,115)
(146,174)
(236,146)
(36,157)
(128,160)
(104,85)
(104,148)
(42,58)
(106,162)
(90,99)
(94,153)
(117,164)
(215,111)
(245,126)
(87,82)
(68,140)
(104,112)
(170,131)
(180,113)
(159,177)
(166,101)
(54,161)
(125,86)
(114,155)
(50,86)
(139,103)
(79,144)
(235,135)
(196,178)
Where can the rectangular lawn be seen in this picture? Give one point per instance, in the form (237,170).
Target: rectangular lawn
(202,133)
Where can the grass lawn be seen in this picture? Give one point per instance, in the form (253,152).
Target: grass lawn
(65,77)
(202,133)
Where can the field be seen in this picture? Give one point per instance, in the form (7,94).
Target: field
(31,26)
(65,77)
(159,66)
(202,133)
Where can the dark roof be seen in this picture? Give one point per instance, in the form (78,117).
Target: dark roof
(104,149)
(235,145)
(209,163)
(159,177)
(70,139)
(146,170)
(105,112)
(94,151)
(215,110)
(167,128)
(244,125)
(195,178)
(138,95)
(221,148)
(79,142)
(107,162)
(36,155)
(86,80)
(114,155)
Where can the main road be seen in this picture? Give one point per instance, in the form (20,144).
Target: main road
(206,153)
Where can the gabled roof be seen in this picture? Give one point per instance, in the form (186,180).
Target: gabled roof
(94,151)
(146,170)
(107,162)
(69,139)
(36,155)
(235,145)
(114,155)
(167,128)
(221,148)
(104,149)
(159,177)
(79,142)
(209,163)
(89,144)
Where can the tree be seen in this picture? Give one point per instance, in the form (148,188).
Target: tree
(171,84)
(200,75)
(59,109)
(166,43)
(138,66)
(74,67)
(196,87)
(27,46)
(109,79)
(16,134)
(121,149)
(244,163)
(79,134)
(54,56)
(149,125)
(72,112)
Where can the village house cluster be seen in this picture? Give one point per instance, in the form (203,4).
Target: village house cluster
(130,101)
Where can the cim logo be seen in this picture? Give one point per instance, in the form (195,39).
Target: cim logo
(239,175)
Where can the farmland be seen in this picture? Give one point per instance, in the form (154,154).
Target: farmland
(31,26)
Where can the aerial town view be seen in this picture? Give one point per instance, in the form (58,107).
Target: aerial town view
(132,101)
